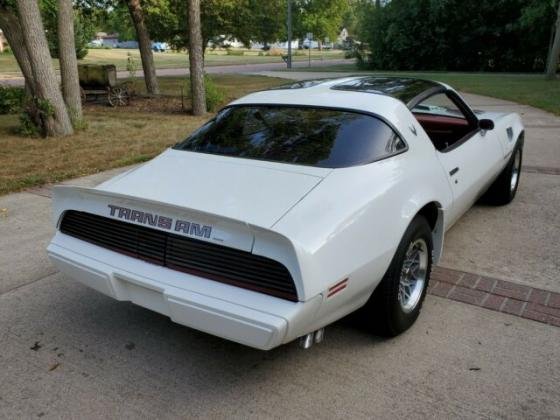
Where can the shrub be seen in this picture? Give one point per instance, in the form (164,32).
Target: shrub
(235,52)
(215,96)
(131,66)
(11,99)
(99,47)
(34,116)
(27,126)
(412,35)
(275,52)
(7,51)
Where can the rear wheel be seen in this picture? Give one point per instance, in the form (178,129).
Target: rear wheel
(504,188)
(396,303)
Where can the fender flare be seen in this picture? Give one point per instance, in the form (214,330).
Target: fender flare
(434,214)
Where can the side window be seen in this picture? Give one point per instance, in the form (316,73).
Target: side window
(444,122)
(439,104)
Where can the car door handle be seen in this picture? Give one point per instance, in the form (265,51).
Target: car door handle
(453,171)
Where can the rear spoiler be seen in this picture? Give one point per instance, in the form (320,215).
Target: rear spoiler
(154,214)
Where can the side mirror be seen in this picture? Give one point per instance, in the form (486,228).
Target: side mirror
(486,124)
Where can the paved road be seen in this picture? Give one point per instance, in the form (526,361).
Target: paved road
(68,351)
(237,68)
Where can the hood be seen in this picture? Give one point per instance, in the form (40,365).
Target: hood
(255,192)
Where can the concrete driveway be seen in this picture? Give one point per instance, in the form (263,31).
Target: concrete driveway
(68,351)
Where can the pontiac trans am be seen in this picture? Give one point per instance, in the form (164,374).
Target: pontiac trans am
(292,208)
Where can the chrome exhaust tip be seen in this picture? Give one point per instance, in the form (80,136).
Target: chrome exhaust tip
(319,335)
(307,340)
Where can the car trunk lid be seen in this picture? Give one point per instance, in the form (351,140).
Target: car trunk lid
(255,192)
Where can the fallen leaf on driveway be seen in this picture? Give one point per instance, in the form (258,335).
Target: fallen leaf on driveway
(54,366)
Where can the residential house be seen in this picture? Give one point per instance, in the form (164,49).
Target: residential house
(107,40)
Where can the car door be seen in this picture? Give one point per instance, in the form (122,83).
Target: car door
(468,154)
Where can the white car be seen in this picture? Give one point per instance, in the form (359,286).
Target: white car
(292,208)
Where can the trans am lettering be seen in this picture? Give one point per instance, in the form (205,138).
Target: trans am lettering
(193,229)
(162,222)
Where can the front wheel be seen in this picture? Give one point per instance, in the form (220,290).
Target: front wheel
(396,303)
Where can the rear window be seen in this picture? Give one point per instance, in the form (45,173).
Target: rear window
(327,138)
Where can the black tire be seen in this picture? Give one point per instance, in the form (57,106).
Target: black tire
(502,191)
(384,311)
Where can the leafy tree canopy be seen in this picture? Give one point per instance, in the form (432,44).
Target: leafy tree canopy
(492,35)
(84,29)
(323,18)
(244,20)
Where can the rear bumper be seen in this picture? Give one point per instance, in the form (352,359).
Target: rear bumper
(243,316)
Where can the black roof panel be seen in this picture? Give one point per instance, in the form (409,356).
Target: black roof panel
(301,84)
(402,88)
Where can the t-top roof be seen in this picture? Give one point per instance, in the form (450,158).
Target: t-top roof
(387,97)
(402,88)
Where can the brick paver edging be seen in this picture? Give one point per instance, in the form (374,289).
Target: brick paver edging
(498,295)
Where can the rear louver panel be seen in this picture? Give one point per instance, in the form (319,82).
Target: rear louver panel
(203,259)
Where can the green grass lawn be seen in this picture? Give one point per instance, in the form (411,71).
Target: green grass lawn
(114,137)
(528,89)
(233,85)
(118,56)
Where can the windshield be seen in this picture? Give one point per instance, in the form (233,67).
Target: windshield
(327,138)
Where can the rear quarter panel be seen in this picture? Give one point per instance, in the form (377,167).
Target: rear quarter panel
(508,128)
(350,225)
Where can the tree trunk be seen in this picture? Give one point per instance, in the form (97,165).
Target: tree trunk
(68,60)
(56,121)
(196,59)
(554,54)
(145,46)
(9,23)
